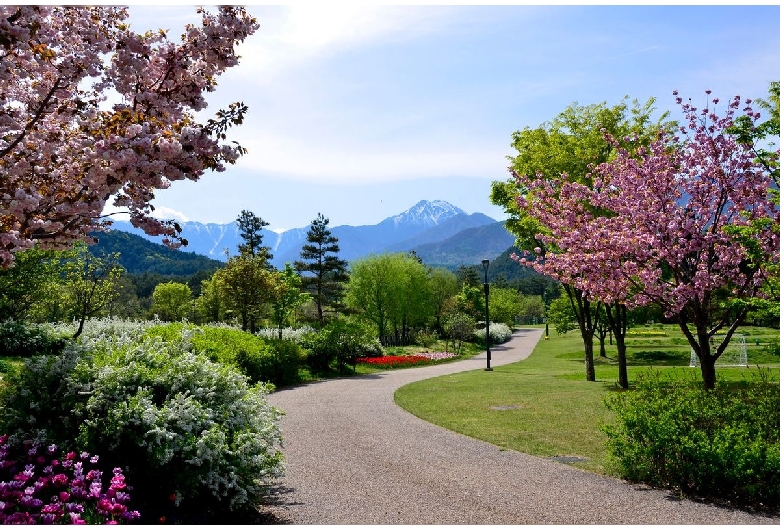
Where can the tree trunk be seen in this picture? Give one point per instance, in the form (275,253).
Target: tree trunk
(707,363)
(617,316)
(81,328)
(590,367)
(582,309)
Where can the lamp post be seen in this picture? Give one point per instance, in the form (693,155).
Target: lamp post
(485,265)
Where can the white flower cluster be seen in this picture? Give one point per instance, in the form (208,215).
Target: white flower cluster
(288,333)
(499,333)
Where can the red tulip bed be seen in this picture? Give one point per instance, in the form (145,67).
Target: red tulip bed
(404,361)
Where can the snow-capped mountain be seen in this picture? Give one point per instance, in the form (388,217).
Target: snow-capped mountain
(425,222)
(425,213)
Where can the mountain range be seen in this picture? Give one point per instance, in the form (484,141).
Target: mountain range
(438,232)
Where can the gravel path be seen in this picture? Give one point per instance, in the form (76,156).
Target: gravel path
(355,457)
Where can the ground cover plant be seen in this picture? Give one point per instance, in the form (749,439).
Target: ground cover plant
(543,406)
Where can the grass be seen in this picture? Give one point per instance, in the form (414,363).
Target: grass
(543,405)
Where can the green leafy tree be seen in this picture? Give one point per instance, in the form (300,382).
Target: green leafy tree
(459,327)
(247,286)
(28,283)
(413,308)
(210,305)
(171,300)
(328,273)
(761,137)
(390,290)
(288,296)
(90,283)
(505,305)
(531,308)
(471,300)
(570,146)
(561,316)
(444,285)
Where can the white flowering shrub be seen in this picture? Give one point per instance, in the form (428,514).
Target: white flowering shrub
(183,427)
(288,333)
(499,333)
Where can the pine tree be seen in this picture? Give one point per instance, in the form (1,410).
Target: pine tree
(319,257)
(250,229)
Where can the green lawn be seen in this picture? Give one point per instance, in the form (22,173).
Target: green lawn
(543,406)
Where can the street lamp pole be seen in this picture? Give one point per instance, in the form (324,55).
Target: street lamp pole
(485,265)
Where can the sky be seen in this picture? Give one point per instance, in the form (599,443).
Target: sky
(358,111)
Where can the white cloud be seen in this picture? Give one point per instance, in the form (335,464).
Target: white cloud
(344,160)
(292,37)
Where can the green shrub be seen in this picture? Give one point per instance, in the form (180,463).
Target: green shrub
(21,339)
(723,443)
(182,426)
(281,367)
(256,357)
(340,342)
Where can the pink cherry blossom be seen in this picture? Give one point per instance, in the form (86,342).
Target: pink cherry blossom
(64,153)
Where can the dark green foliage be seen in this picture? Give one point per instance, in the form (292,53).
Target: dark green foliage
(21,339)
(340,341)
(26,283)
(722,444)
(281,367)
(326,272)
(250,228)
(139,256)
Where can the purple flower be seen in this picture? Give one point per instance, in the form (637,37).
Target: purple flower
(49,518)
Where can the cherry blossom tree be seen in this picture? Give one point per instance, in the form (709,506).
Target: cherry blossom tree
(66,149)
(676,223)
(565,149)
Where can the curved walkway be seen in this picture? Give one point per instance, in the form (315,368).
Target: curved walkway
(355,457)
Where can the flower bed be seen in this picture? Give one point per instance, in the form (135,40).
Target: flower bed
(38,487)
(402,361)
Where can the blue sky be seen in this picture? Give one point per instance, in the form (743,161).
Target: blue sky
(359,112)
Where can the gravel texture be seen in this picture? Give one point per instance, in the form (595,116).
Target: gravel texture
(355,457)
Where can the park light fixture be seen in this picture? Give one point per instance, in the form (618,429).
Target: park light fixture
(485,266)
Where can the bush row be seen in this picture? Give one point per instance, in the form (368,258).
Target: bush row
(723,443)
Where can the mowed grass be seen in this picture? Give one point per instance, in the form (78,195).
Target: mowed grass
(543,406)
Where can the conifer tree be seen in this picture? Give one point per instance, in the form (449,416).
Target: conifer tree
(320,258)
(250,228)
